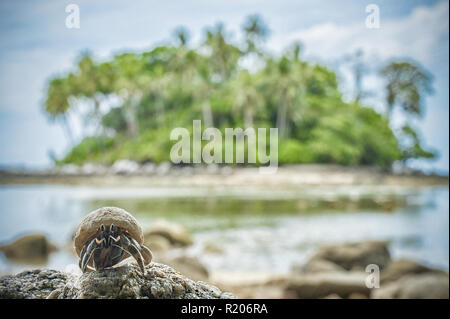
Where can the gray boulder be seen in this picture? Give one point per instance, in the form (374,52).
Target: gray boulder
(159,282)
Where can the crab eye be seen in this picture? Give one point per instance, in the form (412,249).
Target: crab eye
(112,227)
(102,227)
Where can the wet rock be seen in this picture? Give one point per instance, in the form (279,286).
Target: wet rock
(321,285)
(160,282)
(356,256)
(316,265)
(176,234)
(32,249)
(402,267)
(125,167)
(419,286)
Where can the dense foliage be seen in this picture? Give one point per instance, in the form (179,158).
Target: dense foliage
(172,85)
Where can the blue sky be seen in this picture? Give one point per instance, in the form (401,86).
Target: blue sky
(35,45)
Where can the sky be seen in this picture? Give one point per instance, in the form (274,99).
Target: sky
(35,45)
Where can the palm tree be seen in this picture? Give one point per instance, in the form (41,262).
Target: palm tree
(286,84)
(248,98)
(406,85)
(256,32)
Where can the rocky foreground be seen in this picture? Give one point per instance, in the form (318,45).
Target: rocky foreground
(159,282)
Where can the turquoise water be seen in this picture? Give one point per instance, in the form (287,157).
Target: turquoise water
(257,229)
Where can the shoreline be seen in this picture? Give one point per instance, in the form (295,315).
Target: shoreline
(286,176)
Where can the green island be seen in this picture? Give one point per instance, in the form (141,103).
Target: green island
(224,84)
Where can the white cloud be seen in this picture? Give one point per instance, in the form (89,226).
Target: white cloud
(415,36)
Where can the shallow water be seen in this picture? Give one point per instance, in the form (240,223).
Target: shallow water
(257,229)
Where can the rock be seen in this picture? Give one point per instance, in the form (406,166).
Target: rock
(69,169)
(211,248)
(402,267)
(226,170)
(163,168)
(356,295)
(93,169)
(212,168)
(160,282)
(419,286)
(332,296)
(321,285)
(189,266)
(356,256)
(32,248)
(148,168)
(316,265)
(32,284)
(176,234)
(157,243)
(125,167)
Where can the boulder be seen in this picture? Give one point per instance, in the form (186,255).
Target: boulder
(316,265)
(417,286)
(157,243)
(356,256)
(402,267)
(159,282)
(125,167)
(189,266)
(68,169)
(321,285)
(163,168)
(32,249)
(211,248)
(93,169)
(176,234)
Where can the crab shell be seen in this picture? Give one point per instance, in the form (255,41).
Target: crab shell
(106,216)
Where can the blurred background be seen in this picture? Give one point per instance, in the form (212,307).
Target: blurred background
(86,111)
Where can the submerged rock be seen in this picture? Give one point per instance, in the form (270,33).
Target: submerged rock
(32,249)
(159,282)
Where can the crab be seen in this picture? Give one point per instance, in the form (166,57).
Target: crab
(107,236)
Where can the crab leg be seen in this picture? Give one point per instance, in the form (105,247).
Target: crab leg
(88,254)
(145,252)
(131,249)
